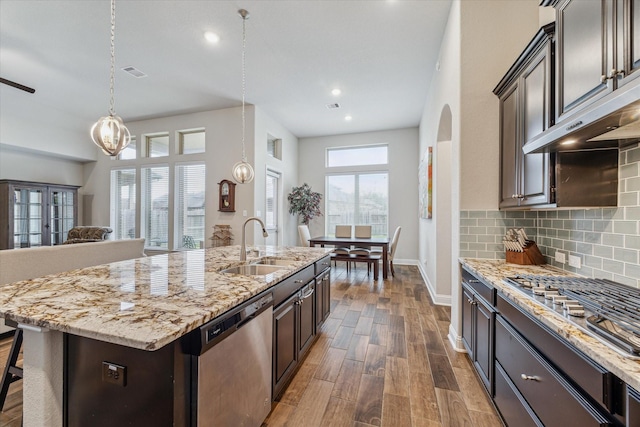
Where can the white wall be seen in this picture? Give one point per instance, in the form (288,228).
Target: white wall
(288,168)
(403,179)
(223,136)
(482,39)
(27,165)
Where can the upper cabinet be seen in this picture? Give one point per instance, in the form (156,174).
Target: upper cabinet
(598,50)
(526,110)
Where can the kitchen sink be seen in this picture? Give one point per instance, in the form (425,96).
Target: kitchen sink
(274,261)
(253,269)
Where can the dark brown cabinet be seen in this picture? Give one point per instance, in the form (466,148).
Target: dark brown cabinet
(478,316)
(36,214)
(598,50)
(302,303)
(526,110)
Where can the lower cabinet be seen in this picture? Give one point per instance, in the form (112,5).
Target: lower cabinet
(477,329)
(296,320)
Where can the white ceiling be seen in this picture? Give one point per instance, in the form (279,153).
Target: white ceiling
(382,55)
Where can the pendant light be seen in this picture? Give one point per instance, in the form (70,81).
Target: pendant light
(242,171)
(109,132)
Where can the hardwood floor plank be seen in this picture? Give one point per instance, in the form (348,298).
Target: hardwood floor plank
(348,381)
(339,413)
(298,385)
(369,403)
(329,368)
(452,409)
(313,404)
(369,310)
(474,395)
(442,372)
(375,360)
(279,415)
(351,318)
(397,344)
(343,337)
(358,348)
(396,411)
(379,334)
(396,377)
(433,341)
(396,323)
(330,327)
(483,419)
(381,316)
(318,349)
(421,422)
(364,326)
(417,357)
(424,403)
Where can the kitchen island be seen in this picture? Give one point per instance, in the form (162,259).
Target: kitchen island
(145,303)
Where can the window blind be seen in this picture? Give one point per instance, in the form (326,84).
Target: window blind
(155,206)
(123,203)
(190,206)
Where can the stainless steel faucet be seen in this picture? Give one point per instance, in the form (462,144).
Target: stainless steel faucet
(243,247)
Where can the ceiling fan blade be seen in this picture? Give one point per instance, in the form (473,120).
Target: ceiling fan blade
(17,85)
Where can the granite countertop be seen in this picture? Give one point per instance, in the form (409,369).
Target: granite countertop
(493,271)
(148,302)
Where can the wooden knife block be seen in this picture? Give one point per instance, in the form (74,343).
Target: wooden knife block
(531,255)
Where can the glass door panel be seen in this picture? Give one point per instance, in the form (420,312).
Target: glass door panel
(62,215)
(27,214)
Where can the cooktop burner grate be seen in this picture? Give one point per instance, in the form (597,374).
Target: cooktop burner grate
(615,307)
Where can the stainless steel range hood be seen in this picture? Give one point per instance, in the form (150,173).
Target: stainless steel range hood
(611,122)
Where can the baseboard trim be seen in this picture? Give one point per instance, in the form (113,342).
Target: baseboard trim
(455,340)
(438,299)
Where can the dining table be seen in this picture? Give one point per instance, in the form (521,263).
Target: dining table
(382,242)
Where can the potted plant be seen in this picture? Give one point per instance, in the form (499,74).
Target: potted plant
(304,202)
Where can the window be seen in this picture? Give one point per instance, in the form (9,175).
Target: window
(129,152)
(191,142)
(190,218)
(154,221)
(123,203)
(274,147)
(157,145)
(357,156)
(358,199)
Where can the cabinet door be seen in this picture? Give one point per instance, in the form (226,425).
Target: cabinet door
(467,319)
(323,298)
(536,118)
(483,356)
(63,213)
(307,325)
(285,349)
(29,217)
(584,54)
(628,12)
(509,148)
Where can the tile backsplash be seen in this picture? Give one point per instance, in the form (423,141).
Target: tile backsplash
(605,239)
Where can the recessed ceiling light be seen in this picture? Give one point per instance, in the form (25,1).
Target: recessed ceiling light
(336,92)
(211,37)
(348,118)
(568,142)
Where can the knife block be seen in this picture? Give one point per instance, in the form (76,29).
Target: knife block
(531,255)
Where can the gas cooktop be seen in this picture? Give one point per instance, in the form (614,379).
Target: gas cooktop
(607,310)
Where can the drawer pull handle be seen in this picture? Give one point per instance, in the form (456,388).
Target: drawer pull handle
(529,377)
(474,281)
(297,281)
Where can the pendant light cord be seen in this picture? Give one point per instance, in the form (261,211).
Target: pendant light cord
(244,43)
(113,59)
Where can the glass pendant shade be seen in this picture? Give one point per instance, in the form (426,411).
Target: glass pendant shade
(243,172)
(111,135)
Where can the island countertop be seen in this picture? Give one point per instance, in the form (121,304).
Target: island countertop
(493,271)
(148,302)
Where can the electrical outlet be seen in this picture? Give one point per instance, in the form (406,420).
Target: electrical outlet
(244,212)
(560,257)
(574,261)
(114,374)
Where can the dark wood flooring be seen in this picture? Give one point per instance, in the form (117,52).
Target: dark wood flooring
(381,359)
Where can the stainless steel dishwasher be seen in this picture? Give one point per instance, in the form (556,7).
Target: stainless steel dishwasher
(231,373)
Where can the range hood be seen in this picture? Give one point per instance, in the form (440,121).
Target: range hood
(611,122)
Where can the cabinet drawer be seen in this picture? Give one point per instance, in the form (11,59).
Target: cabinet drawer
(553,399)
(290,285)
(514,409)
(593,379)
(485,291)
(322,265)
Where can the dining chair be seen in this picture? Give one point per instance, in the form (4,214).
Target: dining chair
(392,249)
(362,232)
(305,235)
(343,231)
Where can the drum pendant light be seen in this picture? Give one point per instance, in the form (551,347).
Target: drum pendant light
(242,171)
(109,132)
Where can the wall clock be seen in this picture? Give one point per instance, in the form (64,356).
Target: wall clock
(227,196)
